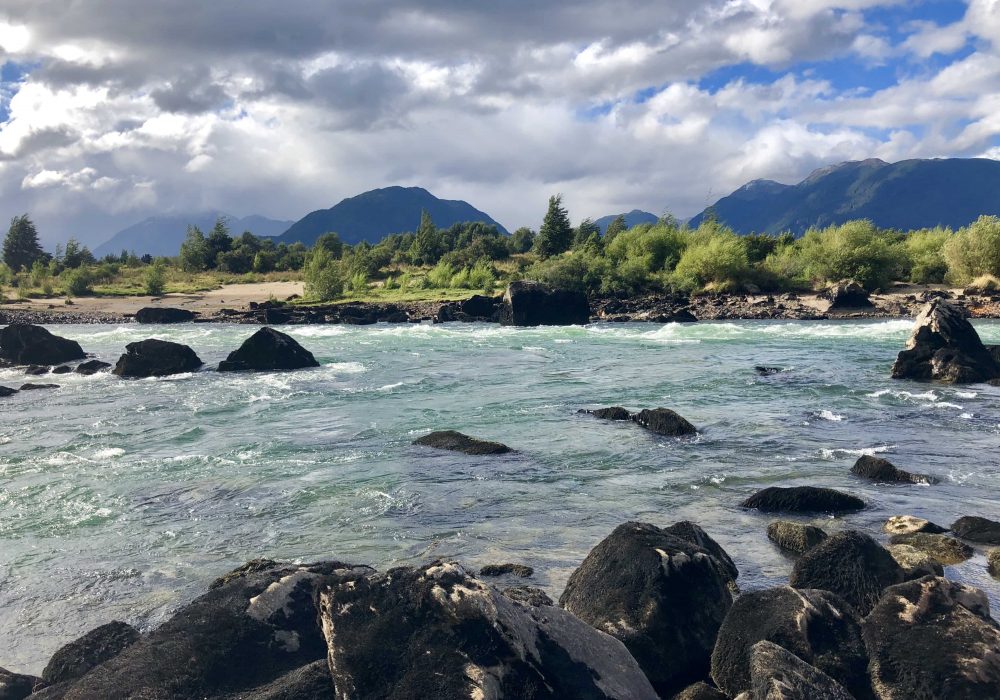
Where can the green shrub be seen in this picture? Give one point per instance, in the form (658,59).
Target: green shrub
(78,282)
(974,250)
(440,276)
(155,279)
(716,259)
(854,250)
(482,276)
(925,250)
(324,279)
(358,282)
(390,283)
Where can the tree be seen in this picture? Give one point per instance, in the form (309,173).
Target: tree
(427,244)
(195,252)
(155,279)
(323,276)
(76,255)
(522,240)
(614,228)
(219,241)
(331,241)
(587,233)
(556,235)
(21,248)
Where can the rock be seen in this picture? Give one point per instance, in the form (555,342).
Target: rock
(16,686)
(27,344)
(436,632)
(268,349)
(519,570)
(976,529)
(882,470)
(795,537)
(91,367)
(663,596)
(92,649)
(944,346)
(943,549)
(914,562)
(156,358)
(32,387)
(480,307)
(905,524)
(163,314)
(764,371)
(37,370)
(816,625)
(701,691)
(847,294)
(993,562)
(612,413)
(536,304)
(852,565)
(663,421)
(802,499)
(776,674)
(933,638)
(62,369)
(693,533)
(457,442)
(6,391)
(527,595)
(310,682)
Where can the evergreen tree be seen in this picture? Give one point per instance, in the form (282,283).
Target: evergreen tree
(219,242)
(195,252)
(427,244)
(21,247)
(556,235)
(614,228)
(76,255)
(587,233)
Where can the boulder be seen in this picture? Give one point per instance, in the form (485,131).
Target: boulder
(765,371)
(945,347)
(941,548)
(6,391)
(62,369)
(993,562)
(163,314)
(852,565)
(268,349)
(701,691)
(816,625)
(847,295)
(535,304)
(693,533)
(795,537)
(437,632)
(16,686)
(27,344)
(661,595)
(884,471)
(612,413)
(974,529)
(663,421)
(37,370)
(156,358)
(527,595)
(905,524)
(310,682)
(802,499)
(933,638)
(91,367)
(776,674)
(458,442)
(32,387)
(914,562)
(479,307)
(92,649)
(519,570)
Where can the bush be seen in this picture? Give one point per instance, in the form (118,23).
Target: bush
(324,280)
(439,277)
(482,276)
(155,279)
(974,250)
(358,282)
(925,250)
(78,282)
(985,283)
(854,250)
(716,259)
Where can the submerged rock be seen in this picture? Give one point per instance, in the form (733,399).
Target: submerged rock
(92,649)
(974,529)
(943,549)
(519,570)
(266,350)
(91,367)
(795,537)
(6,391)
(156,358)
(27,344)
(882,470)
(33,387)
(802,499)
(536,304)
(765,371)
(16,686)
(776,674)
(612,413)
(458,442)
(62,369)
(914,562)
(163,314)
(944,346)
(905,524)
(663,421)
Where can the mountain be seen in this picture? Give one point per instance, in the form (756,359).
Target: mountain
(373,215)
(633,218)
(163,235)
(907,195)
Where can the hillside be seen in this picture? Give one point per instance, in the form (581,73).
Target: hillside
(163,235)
(633,218)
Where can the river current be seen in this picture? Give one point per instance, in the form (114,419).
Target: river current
(124,499)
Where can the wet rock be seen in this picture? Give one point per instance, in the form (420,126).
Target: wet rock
(852,565)
(458,442)
(6,391)
(816,625)
(847,295)
(156,358)
(764,371)
(519,570)
(795,537)
(527,595)
(693,533)
(802,499)
(943,549)
(480,307)
(163,314)
(91,367)
(436,632)
(662,595)
(993,562)
(701,691)
(97,646)
(612,413)
(535,304)
(33,387)
(974,529)
(27,344)
(915,563)
(944,346)
(268,350)
(16,686)
(37,370)
(663,421)
(62,369)
(884,471)
(933,638)
(905,524)
(776,674)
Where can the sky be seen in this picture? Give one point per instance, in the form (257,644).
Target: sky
(115,110)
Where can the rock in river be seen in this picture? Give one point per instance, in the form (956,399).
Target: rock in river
(974,529)
(915,562)
(941,548)
(458,442)
(905,524)
(663,421)
(91,367)
(163,314)
(882,470)
(92,649)
(16,686)
(795,537)
(519,570)
(6,391)
(802,499)
(536,304)
(156,358)
(27,344)
(268,349)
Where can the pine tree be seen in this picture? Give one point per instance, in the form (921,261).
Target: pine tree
(427,243)
(21,248)
(556,235)
(194,252)
(614,228)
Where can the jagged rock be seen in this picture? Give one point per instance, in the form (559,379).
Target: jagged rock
(882,470)
(933,638)
(535,304)
(914,562)
(27,344)
(156,358)
(457,442)
(795,537)
(993,562)
(975,529)
(663,421)
(528,595)
(802,499)
(944,346)
(776,674)
(310,682)
(91,367)
(612,413)
(97,646)
(33,387)
(436,632)
(852,565)
(847,295)
(266,350)
(905,524)
(6,391)
(519,570)
(701,691)
(163,314)
(16,686)
(662,595)
(816,625)
(941,548)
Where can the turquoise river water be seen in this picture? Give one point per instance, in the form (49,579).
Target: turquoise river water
(123,499)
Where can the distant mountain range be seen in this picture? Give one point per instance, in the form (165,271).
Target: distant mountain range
(907,195)
(163,235)
(633,218)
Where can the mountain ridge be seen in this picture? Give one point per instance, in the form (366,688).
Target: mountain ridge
(163,235)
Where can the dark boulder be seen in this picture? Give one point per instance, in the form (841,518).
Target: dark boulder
(975,529)
(458,442)
(944,346)
(816,625)
(662,595)
(519,570)
(776,674)
(527,595)
(802,499)
(701,691)
(16,686)
(91,367)
(156,358)
(536,304)
(436,632)
(663,421)
(612,413)
(62,369)
(32,387)
(27,344)
(163,314)
(795,537)
(92,649)
(693,533)
(941,548)
(850,564)
(268,349)
(847,295)
(6,391)
(310,682)
(905,524)
(884,471)
(764,371)
(480,307)
(37,370)
(933,638)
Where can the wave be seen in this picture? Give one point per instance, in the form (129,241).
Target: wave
(841,452)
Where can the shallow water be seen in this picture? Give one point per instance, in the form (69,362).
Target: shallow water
(123,499)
